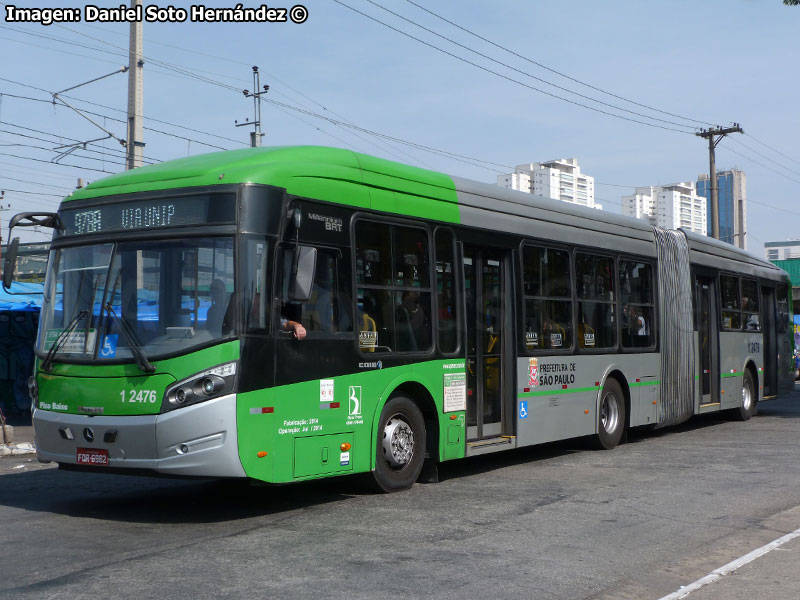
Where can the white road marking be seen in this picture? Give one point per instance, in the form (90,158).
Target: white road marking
(730,567)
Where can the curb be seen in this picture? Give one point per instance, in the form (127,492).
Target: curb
(18,449)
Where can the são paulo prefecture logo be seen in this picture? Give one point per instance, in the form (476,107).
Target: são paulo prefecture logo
(533,372)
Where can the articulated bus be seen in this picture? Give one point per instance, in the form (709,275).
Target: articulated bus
(443,318)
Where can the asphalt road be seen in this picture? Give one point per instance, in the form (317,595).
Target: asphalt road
(556,521)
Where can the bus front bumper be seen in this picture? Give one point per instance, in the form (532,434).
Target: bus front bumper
(198,440)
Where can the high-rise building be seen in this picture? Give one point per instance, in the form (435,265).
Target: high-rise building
(732,186)
(559,179)
(668,206)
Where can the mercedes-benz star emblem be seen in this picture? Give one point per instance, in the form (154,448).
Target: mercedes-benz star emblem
(88,434)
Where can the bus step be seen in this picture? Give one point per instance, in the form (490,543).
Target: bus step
(496,441)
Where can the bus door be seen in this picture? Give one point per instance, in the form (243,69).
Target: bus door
(707,339)
(488,325)
(770,341)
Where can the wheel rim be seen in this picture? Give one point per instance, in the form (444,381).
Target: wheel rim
(398,442)
(609,413)
(747,396)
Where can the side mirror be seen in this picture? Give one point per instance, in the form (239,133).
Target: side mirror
(10,264)
(303,269)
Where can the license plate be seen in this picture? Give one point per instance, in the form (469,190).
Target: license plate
(92,456)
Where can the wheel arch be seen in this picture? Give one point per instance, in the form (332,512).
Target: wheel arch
(750,366)
(616,374)
(423,398)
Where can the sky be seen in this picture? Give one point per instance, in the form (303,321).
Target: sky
(344,79)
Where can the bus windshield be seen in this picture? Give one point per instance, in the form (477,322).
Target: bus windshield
(113,301)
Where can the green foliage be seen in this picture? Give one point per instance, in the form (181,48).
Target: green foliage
(791,2)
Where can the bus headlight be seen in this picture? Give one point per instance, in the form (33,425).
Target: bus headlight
(208,384)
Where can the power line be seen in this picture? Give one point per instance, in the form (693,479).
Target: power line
(538,64)
(773,149)
(507,78)
(60,164)
(452,155)
(33,193)
(765,156)
(527,74)
(187,72)
(33,182)
(121,120)
(750,158)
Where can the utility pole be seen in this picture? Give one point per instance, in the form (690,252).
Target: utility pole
(715,137)
(255,135)
(135,145)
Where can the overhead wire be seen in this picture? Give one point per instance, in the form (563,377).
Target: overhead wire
(385,147)
(520,71)
(506,77)
(554,71)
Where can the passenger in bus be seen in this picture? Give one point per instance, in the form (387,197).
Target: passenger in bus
(413,315)
(297,329)
(642,326)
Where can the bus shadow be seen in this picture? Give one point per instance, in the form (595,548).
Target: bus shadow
(535,454)
(164,501)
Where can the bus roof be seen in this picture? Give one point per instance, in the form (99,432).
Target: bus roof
(360,180)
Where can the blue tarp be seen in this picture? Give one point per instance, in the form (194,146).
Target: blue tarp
(19,318)
(22,296)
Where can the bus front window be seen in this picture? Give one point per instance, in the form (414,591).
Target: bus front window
(164,297)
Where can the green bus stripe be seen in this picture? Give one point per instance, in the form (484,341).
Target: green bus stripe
(641,383)
(731,374)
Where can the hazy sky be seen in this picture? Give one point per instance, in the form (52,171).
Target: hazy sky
(702,61)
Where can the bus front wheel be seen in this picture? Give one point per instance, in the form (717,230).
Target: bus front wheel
(400,445)
(610,416)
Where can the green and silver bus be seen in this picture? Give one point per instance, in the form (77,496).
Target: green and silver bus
(444,318)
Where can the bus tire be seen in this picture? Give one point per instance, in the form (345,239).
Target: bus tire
(748,407)
(610,416)
(400,445)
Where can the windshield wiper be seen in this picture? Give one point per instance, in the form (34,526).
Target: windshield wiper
(48,360)
(136,348)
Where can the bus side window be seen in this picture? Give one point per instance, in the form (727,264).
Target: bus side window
(393,288)
(638,312)
(548,298)
(729,300)
(750,309)
(594,279)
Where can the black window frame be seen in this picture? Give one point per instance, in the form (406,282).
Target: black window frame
(458,277)
(615,302)
(339,308)
(654,328)
(523,348)
(722,308)
(430,290)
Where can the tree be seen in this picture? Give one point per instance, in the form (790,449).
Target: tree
(791,2)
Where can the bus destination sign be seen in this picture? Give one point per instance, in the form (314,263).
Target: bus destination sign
(129,216)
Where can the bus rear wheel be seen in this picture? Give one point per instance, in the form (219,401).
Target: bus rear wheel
(610,416)
(400,447)
(748,407)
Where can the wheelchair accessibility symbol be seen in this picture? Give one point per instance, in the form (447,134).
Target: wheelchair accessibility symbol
(523,409)
(109,349)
